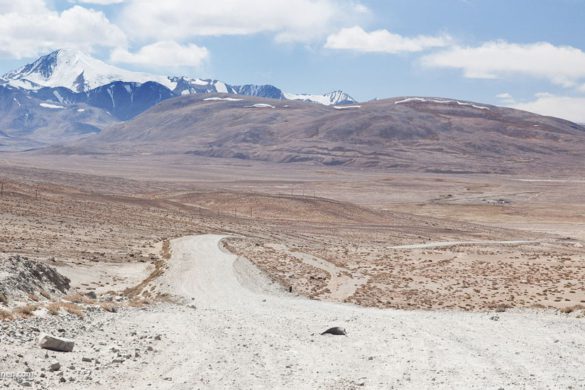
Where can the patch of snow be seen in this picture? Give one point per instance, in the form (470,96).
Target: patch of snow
(346,107)
(128,88)
(52,106)
(212,99)
(24,84)
(220,87)
(261,105)
(199,82)
(327,99)
(321,99)
(440,101)
(408,100)
(58,96)
(81,110)
(111,93)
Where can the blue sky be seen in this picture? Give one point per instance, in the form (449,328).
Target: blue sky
(528,54)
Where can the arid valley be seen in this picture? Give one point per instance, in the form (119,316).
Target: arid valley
(496,249)
(316,194)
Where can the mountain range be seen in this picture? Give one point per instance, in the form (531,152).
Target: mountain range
(61,90)
(68,102)
(431,134)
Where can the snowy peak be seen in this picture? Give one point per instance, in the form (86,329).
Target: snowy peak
(76,71)
(328,99)
(189,86)
(81,73)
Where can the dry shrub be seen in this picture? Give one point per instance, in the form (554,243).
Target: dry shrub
(502,308)
(109,307)
(33,297)
(71,308)
(571,309)
(54,308)
(74,309)
(78,298)
(25,311)
(138,302)
(5,315)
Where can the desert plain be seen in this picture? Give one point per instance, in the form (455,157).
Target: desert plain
(478,259)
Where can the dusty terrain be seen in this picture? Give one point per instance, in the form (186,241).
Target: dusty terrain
(432,135)
(452,249)
(400,241)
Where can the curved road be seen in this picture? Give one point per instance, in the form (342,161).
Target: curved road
(245,334)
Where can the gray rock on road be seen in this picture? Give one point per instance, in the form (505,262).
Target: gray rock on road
(336,331)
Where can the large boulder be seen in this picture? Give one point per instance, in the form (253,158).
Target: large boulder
(56,343)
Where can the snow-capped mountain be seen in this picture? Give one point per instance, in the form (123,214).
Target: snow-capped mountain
(188,86)
(76,71)
(67,94)
(80,72)
(328,99)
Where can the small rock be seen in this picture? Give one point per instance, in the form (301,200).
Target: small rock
(336,331)
(91,295)
(54,343)
(55,366)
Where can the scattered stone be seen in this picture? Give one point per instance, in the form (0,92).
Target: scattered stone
(91,295)
(54,343)
(55,366)
(336,331)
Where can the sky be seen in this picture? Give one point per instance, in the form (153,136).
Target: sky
(527,54)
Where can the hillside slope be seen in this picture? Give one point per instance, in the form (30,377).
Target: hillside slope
(432,134)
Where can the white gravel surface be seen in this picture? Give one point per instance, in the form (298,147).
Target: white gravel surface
(244,338)
(237,330)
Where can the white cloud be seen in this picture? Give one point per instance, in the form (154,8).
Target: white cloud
(30,31)
(101,2)
(382,41)
(29,6)
(570,108)
(167,54)
(562,65)
(506,98)
(289,21)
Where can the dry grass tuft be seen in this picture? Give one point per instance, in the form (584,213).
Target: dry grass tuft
(109,307)
(78,298)
(5,315)
(137,302)
(571,309)
(33,297)
(25,311)
(71,308)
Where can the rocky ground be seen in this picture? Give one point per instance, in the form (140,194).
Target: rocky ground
(85,256)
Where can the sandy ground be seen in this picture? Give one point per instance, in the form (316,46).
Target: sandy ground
(245,333)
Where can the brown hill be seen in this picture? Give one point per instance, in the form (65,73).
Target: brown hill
(430,134)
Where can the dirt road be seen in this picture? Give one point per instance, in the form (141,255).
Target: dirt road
(245,333)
